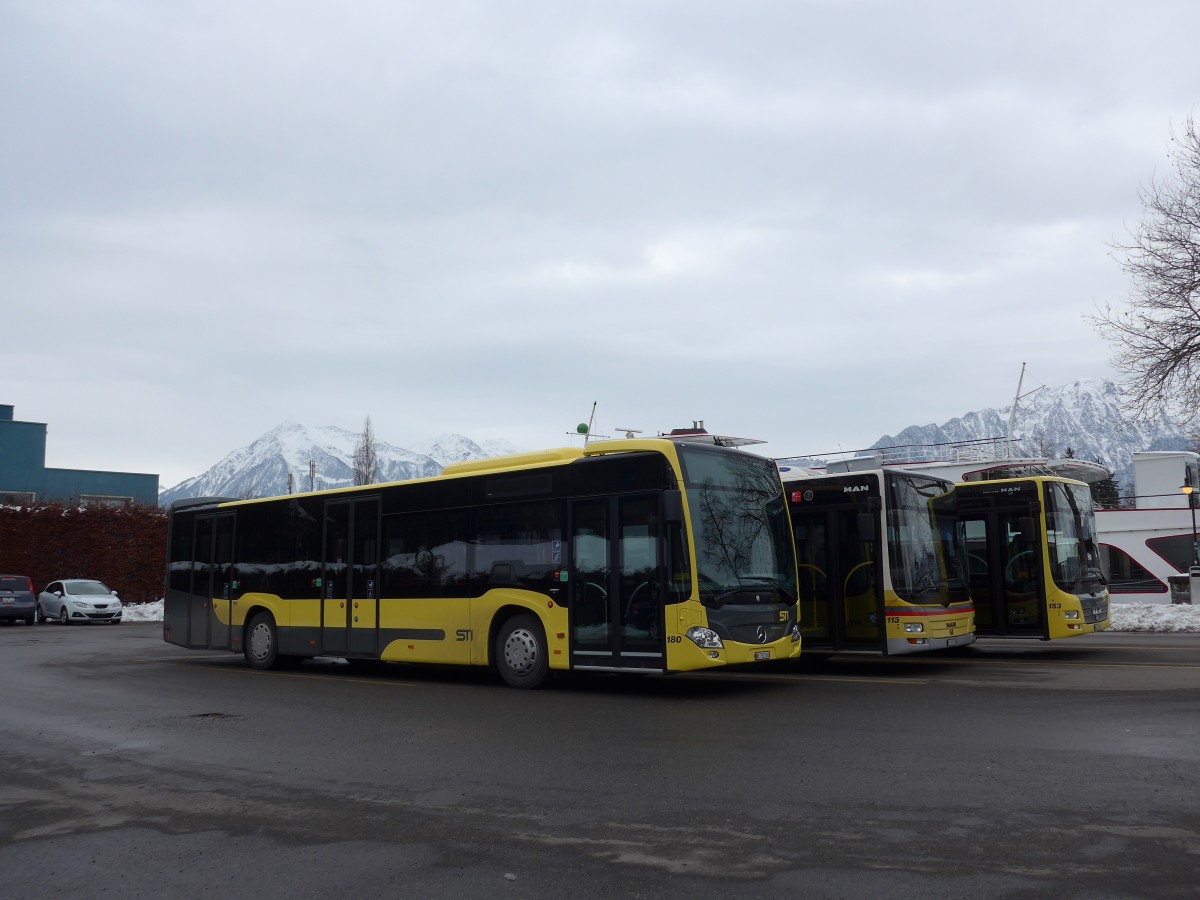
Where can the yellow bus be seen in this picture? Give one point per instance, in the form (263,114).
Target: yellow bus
(643,556)
(881,562)
(1033,557)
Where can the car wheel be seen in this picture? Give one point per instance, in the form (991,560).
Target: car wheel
(32,620)
(38,618)
(261,642)
(521,654)
(64,617)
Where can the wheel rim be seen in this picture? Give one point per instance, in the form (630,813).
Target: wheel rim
(62,616)
(260,641)
(520,651)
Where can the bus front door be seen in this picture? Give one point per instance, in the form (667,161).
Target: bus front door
(616,584)
(840,601)
(1005,564)
(350,578)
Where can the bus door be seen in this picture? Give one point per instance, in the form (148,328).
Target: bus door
(616,583)
(350,578)
(841,604)
(1004,559)
(209,605)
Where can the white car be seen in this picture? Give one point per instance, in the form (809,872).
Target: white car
(78,600)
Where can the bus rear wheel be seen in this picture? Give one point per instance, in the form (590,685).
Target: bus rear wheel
(521,654)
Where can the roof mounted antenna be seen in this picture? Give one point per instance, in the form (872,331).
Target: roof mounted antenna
(630,432)
(585,428)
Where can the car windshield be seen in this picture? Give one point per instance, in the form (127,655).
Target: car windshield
(86,588)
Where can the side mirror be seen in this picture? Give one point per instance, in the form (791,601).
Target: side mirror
(865,525)
(1028,529)
(673,507)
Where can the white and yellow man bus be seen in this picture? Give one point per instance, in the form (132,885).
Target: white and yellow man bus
(635,556)
(1033,557)
(882,563)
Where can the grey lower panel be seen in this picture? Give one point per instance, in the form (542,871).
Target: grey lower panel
(898,646)
(297,641)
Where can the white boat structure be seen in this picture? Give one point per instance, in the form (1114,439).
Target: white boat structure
(1149,548)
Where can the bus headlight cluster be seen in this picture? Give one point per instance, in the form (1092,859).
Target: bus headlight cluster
(705,638)
(1071,614)
(913,627)
(795,633)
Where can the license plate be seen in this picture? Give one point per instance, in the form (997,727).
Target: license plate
(9,599)
(950,642)
(762,654)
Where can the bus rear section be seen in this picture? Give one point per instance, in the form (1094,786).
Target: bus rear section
(881,564)
(1033,557)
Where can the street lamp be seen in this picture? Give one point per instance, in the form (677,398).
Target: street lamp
(1190,493)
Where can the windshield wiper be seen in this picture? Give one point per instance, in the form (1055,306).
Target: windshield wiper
(726,596)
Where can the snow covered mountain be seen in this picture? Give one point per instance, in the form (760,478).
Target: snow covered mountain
(1084,417)
(261,468)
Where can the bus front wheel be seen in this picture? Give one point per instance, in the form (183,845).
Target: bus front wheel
(521,654)
(261,642)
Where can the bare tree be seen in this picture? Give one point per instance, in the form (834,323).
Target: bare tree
(366,462)
(1157,339)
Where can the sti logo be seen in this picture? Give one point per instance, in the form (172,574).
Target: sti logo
(855,488)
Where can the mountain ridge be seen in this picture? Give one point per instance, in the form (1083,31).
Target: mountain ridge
(320,458)
(1084,417)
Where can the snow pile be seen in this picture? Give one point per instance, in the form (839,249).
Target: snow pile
(143,612)
(1125,616)
(1155,617)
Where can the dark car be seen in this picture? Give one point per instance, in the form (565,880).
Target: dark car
(17,599)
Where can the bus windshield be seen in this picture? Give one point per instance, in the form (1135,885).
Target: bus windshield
(1071,538)
(740,524)
(926,554)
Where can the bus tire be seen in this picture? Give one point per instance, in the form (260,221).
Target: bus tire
(261,642)
(522,656)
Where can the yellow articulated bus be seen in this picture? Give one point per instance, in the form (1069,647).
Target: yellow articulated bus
(1033,557)
(642,556)
(881,561)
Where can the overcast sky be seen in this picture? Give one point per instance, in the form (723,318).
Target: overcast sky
(812,222)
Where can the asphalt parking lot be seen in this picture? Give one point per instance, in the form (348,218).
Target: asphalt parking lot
(1010,769)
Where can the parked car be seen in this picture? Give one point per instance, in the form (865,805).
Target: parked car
(79,600)
(17,599)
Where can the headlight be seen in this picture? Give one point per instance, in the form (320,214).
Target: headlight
(913,627)
(705,638)
(795,633)
(1071,614)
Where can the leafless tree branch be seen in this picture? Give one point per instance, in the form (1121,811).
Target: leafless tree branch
(1157,339)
